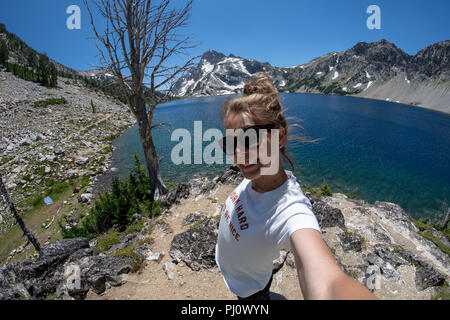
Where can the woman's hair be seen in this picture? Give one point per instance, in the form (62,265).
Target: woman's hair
(261,100)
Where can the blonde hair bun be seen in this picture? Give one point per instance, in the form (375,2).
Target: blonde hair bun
(260,83)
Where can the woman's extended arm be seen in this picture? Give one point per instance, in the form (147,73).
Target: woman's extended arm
(319,275)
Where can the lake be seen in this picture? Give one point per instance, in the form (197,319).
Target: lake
(377,150)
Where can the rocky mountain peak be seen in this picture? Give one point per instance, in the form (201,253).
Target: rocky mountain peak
(431,62)
(213,56)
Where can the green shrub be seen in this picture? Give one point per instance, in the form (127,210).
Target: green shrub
(117,207)
(107,241)
(49,102)
(324,190)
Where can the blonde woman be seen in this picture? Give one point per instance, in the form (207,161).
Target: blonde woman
(268,210)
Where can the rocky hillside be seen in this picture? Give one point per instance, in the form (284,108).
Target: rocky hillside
(377,244)
(377,70)
(52,141)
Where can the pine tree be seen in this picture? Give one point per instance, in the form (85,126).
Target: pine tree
(4,53)
(43,70)
(53,76)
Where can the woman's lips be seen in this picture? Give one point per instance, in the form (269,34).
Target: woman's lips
(250,166)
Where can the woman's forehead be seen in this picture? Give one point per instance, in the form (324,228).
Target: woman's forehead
(236,120)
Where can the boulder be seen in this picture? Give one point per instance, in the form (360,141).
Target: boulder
(169,269)
(85,198)
(426,275)
(64,267)
(350,242)
(81,161)
(197,246)
(192,218)
(178,192)
(386,269)
(326,215)
(63,248)
(97,271)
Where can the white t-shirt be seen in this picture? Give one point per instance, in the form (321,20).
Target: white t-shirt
(254,227)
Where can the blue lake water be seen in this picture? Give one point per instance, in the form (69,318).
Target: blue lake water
(376,150)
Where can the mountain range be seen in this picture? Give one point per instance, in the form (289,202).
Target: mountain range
(378,70)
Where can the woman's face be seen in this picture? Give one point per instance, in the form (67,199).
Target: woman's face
(240,121)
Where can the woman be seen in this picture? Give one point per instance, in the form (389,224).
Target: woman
(269,212)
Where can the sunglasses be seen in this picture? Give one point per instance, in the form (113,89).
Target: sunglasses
(247,141)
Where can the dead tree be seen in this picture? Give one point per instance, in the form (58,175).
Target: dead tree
(18,218)
(139,38)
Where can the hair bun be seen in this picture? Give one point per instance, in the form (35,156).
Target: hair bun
(259,83)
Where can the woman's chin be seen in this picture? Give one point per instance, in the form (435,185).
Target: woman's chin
(250,171)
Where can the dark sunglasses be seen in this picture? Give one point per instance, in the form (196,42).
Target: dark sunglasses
(248,142)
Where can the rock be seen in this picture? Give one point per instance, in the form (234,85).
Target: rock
(43,277)
(386,269)
(59,152)
(72,173)
(85,198)
(437,234)
(373,278)
(197,246)
(201,186)
(394,213)
(81,161)
(350,242)
(125,242)
(232,175)
(169,269)
(47,170)
(51,158)
(290,261)
(157,256)
(390,255)
(97,271)
(326,215)
(279,262)
(426,275)
(63,248)
(192,218)
(25,142)
(180,191)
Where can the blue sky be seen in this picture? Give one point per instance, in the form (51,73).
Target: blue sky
(283,32)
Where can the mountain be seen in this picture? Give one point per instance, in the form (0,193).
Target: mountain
(377,70)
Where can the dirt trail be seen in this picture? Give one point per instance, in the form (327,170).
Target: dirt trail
(153,284)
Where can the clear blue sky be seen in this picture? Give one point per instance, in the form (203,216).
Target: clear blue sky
(282,32)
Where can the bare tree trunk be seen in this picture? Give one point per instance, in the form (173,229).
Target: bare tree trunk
(151,156)
(140,37)
(16,215)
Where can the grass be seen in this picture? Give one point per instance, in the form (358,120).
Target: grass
(35,214)
(425,227)
(436,241)
(138,226)
(129,252)
(105,242)
(443,294)
(324,190)
(49,102)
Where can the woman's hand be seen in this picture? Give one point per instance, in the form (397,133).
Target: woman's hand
(319,275)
